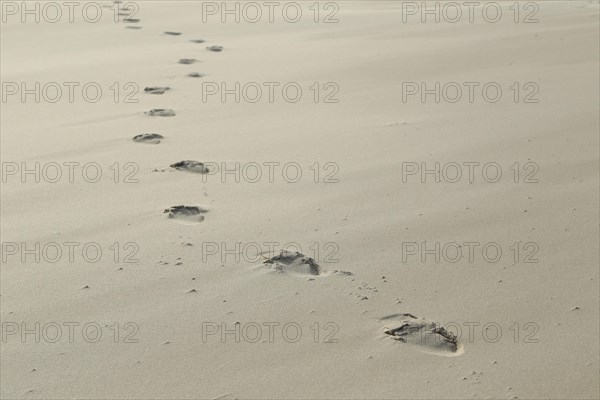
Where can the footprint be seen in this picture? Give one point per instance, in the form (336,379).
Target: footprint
(187,61)
(161,112)
(149,138)
(189,214)
(196,75)
(198,40)
(131,20)
(156,89)
(215,48)
(191,166)
(294,263)
(133,27)
(172,33)
(428,336)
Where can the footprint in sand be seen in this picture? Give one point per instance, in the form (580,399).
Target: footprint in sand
(172,33)
(197,40)
(161,112)
(196,75)
(149,138)
(191,166)
(186,214)
(131,20)
(215,48)
(133,27)
(156,89)
(187,61)
(428,336)
(295,263)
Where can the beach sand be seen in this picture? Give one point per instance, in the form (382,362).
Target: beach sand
(199,314)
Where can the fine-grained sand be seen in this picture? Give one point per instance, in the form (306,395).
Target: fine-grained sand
(193,265)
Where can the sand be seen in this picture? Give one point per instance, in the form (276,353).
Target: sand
(190,293)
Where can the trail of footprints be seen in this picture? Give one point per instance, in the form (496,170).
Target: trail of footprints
(181,213)
(403,328)
(424,334)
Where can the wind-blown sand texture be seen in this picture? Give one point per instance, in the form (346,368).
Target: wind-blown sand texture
(170,274)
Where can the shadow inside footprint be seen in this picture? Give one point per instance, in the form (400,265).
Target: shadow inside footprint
(197,40)
(172,33)
(428,336)
(187,214)
(191,166)
(215,48)
(156,89)
(161,112)
(149,138)
(131,20)
(187,61)
(196,75)
(294,263)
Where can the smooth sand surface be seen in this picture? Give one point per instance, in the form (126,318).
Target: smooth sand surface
(177,294)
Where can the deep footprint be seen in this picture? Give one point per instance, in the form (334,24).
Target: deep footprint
(294,263)
(149,138)
(189,214)
(191,166)
(428,336)
(156,89)
(215,48)
(161,112)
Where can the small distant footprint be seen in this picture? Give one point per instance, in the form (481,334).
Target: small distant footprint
(156,89)
(428,336)
(215,48)
(196,75)
(161,112)
(187,61)
(190,166)
(149,138)
(172,33)
(188,214)
(133,27)
(131,20)
(198,40)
